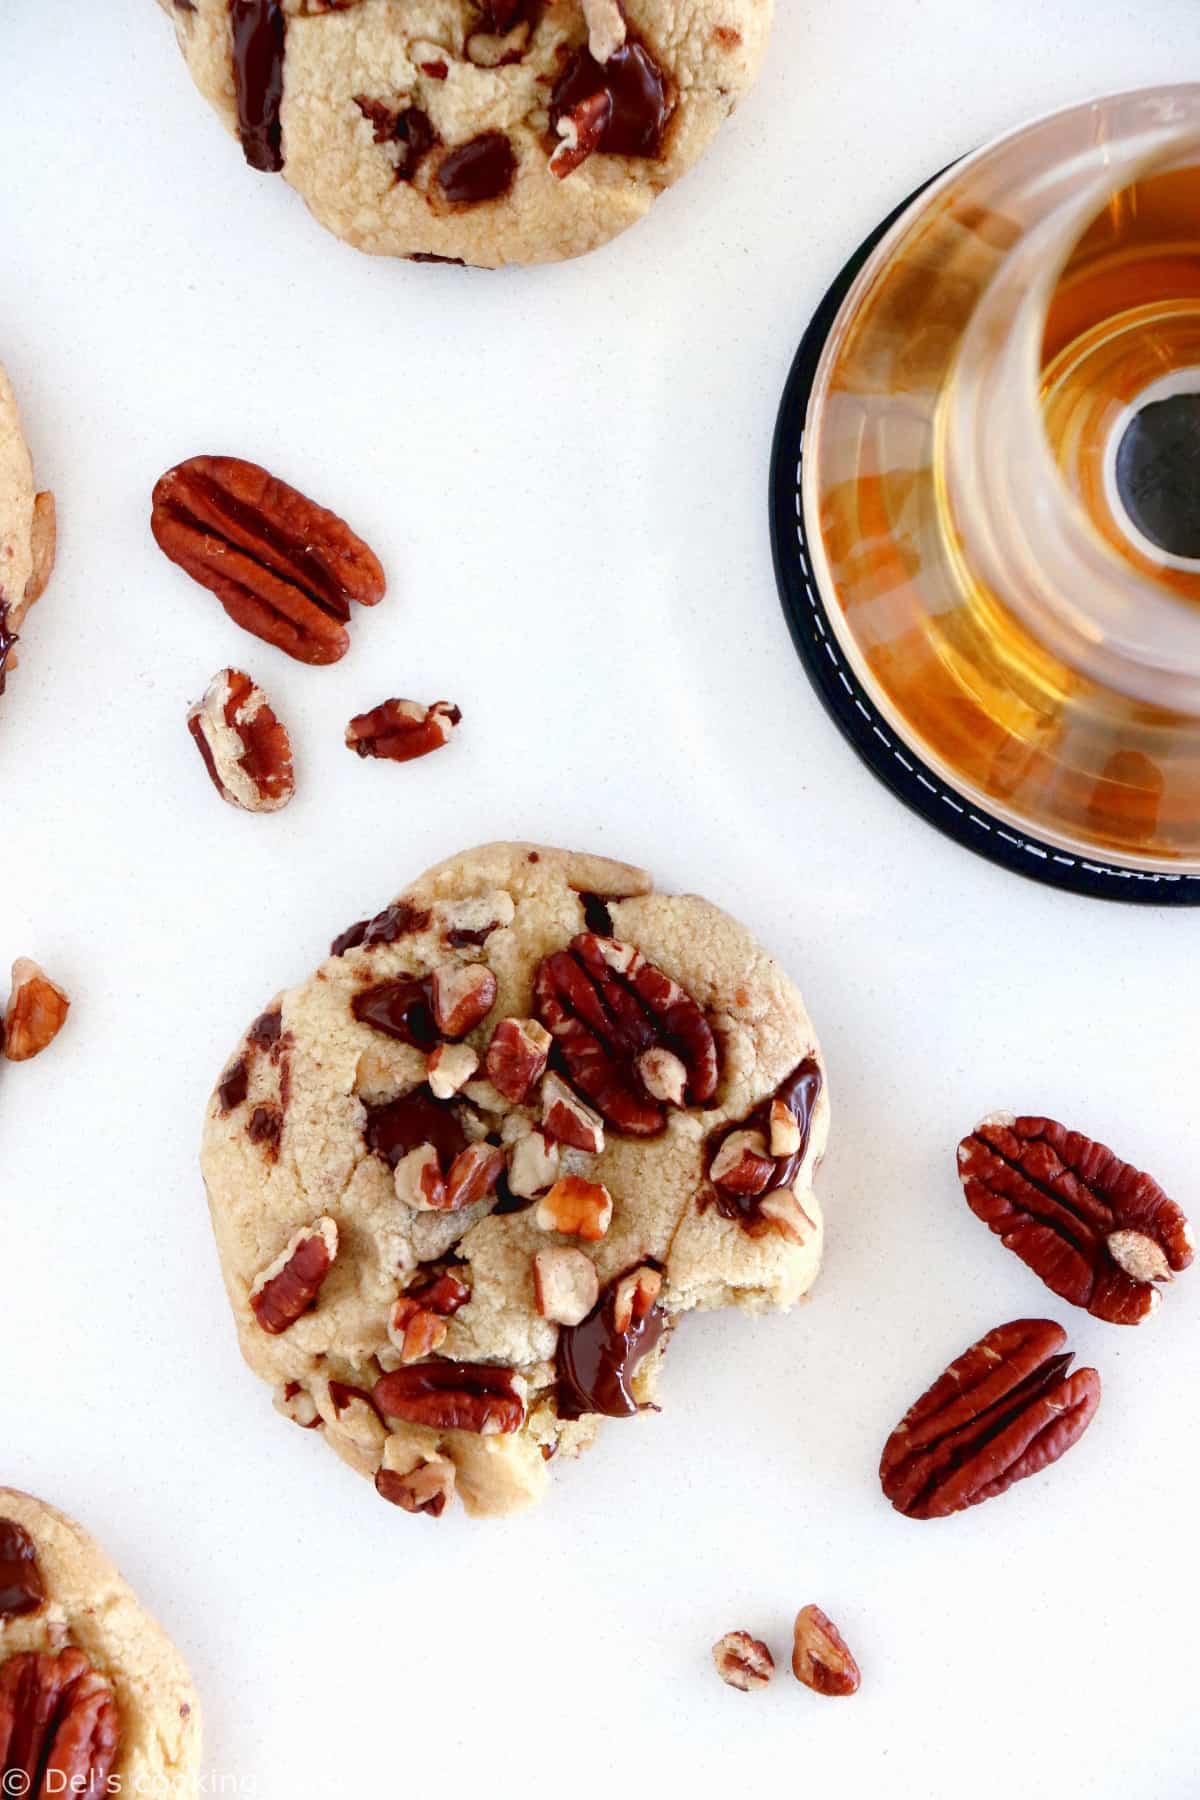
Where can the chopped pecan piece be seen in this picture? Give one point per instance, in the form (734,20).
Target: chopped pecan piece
(450,1067)
(246,749)
(607,30)
(415,1330)
(634,1295)
(59,1728)
(461,996)
(473,1173)
(1097,1230)
(741,1165)
(580,133)
(743,1662)
(516,1058)
(37,1011)
(402,730)
(744,1153)
(577,1208)
(492,50)
(289,1286)
(428,1488)
(418,1179)
(297,1404)
(454,1396)
(282,567)
(356,1415)
(565,1117)
(605,1006)
(1006,1408)
(533,1164)
(821,1657)
(21,1587)
(565,1284)
(441,1292)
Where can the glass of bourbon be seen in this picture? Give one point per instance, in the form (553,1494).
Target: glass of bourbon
(1001,478)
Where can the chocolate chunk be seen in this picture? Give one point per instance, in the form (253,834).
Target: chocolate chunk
(596,915)
(259,31)
(409,127)
(21,1587)
(595,1362)
(234,1085)
(483,169)
(639,92)
(399,1009)
(398,1126)
(264,1033)
(265,1127)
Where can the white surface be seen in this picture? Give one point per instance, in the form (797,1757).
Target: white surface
(565,473)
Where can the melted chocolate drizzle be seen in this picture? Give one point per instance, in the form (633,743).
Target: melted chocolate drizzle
(259,30)
(398,1009)
(800,1091)
(595,1363)
(596,915)
(385,928)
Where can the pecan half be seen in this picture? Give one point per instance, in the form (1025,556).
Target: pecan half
(1098,1231)
(286,1288)
(283,567)
(454,1396)
(246,749)
(59,1729)
(21,1587)
(821,1657)
(605,1006)
(402,730)
(742,1661)
(36,1013)
(1006,1408)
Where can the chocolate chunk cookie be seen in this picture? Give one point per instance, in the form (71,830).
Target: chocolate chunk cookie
(94,1698)
(26,531)
(466,1179)
(477,131)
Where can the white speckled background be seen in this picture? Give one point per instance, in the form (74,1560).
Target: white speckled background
(565,473)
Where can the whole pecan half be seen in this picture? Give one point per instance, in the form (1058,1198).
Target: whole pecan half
(453,1396)
(1006,1408)
(1099,1232)
(245,746)
(605,1007)
(283,567)
(59,1730)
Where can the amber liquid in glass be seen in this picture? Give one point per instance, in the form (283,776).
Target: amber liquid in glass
(994,712)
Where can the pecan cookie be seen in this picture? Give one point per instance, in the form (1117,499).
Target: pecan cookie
(94,1698)
(467,1177)
(477,131)
(26,530)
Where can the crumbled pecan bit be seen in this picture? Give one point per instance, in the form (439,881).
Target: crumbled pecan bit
(1006,1408)
(821,1658)
(297,1404)
(283,567)
(516,1058)
(289,1286)
(1098,1231)
(635,1294)
(461,995)
(60,1732)
(37,1011)
(577,1208)
(418,1179)
(402,730)
(742,1661)
(245,747)
(492,50)
(473,1174)
(565,1284)
(580,132)
(415,1330)
(742,1165)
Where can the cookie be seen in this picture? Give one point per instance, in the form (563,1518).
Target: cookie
(94,1698)
(466,1178)
(26,531)
(476,131)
